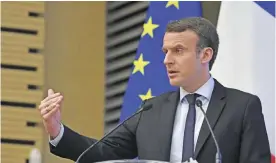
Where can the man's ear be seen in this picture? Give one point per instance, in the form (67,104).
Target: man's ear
(206,55)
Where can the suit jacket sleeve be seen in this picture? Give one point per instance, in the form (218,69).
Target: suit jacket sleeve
(254,140)
(121,144)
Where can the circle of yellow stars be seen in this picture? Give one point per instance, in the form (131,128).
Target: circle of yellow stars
(140,63)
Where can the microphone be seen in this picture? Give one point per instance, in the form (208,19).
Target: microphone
(218,154)
(143,107)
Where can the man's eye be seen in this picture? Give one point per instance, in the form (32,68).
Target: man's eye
(179,50)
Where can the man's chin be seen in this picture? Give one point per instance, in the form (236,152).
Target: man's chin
(175,83)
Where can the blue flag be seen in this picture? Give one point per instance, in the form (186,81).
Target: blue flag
(149,77)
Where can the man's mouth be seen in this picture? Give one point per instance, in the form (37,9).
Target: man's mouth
(173,72)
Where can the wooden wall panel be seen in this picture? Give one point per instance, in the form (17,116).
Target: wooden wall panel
(16,76)
(22,39)
(74,60)
(22,62)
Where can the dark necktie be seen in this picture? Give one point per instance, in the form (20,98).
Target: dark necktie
(188,141)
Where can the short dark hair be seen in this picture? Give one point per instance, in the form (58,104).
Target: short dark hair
(206,31)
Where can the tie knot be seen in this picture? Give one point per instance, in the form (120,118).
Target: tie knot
(191,98)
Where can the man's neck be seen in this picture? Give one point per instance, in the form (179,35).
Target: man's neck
(196,83)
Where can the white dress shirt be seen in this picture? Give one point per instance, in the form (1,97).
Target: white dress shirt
(55,141)
(180,119)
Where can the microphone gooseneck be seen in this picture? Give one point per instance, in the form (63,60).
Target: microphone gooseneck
(218,154)
(144,107)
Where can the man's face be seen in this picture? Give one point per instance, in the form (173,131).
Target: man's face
(181,60)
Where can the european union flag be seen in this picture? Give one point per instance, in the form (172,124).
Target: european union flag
(149,77)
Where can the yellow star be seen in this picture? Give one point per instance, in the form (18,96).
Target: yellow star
(149,27)
(147,96)
(140,65)
(175,3)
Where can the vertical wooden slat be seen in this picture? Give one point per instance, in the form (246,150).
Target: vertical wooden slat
(22,69)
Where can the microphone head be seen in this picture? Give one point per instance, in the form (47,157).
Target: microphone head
(199,103)
(147,106)
(144,107)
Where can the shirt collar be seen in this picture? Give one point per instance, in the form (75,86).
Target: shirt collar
(205,90)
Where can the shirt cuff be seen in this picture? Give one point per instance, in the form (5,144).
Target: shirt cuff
(55,141)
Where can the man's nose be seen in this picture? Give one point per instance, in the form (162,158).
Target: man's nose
(168,59)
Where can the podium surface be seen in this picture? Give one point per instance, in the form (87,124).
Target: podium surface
(132,161)
(143,161)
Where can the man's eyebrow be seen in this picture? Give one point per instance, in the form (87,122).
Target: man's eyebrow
(178,45)
(173,46)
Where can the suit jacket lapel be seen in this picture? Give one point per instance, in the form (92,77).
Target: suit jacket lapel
(166,122)
(214,110)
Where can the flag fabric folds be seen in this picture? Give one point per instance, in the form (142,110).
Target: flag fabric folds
(148,77)
(246,56)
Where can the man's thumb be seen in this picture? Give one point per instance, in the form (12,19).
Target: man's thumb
(50,92)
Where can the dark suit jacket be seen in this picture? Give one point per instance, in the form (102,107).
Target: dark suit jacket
(235,116)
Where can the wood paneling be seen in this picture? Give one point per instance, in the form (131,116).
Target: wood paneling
(74,66)
(22,31)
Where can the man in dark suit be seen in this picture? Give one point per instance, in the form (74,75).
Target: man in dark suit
(174,129)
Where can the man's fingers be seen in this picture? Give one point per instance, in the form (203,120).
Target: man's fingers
(48,115)
(47,109)
(56,100)
(59,102)
(50,97)
(50,92)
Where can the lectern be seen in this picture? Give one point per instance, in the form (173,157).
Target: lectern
(132,161)
(141,161)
